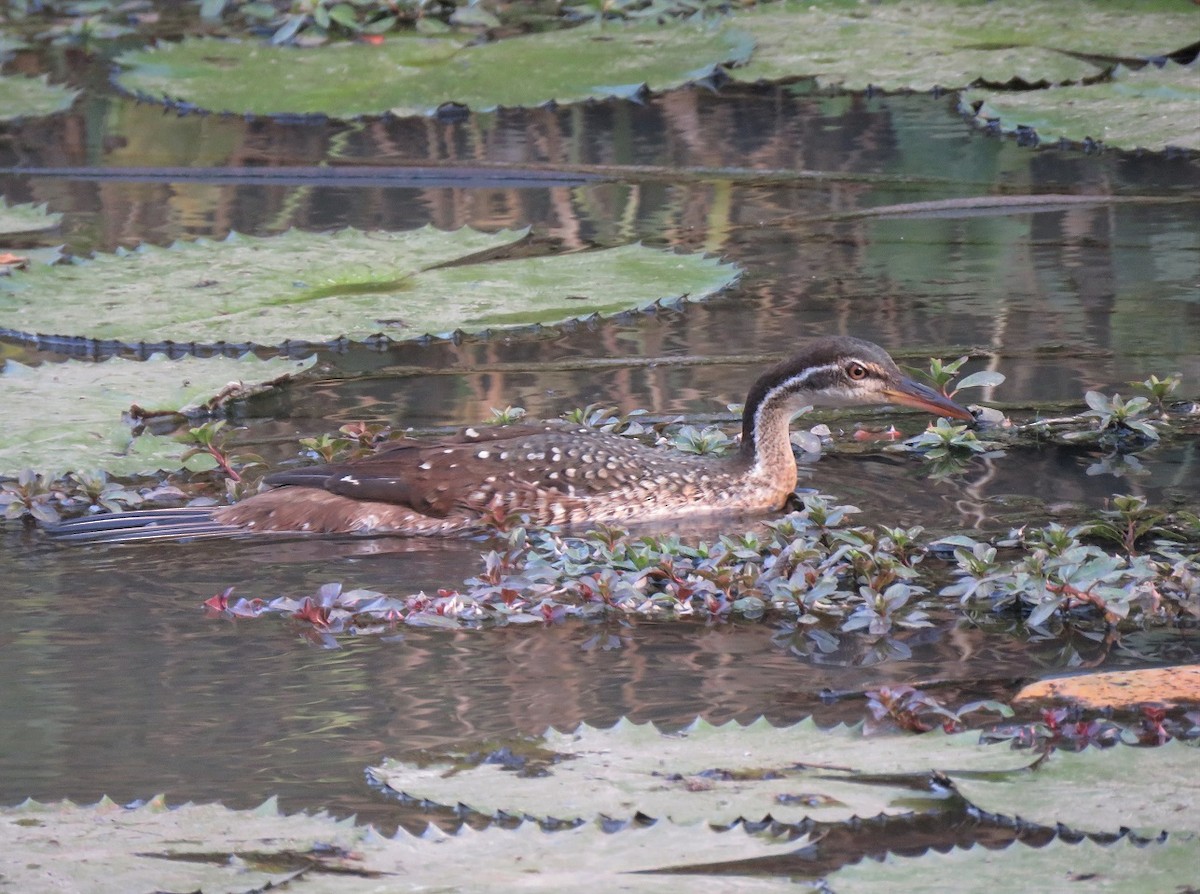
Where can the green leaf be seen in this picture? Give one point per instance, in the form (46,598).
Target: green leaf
(720,773)
(1087,867)
(212,9)
(1099,402)
(1149,790)
(25,219)
(985,378)
(1151,108)
(472,16)
(706,773)
(923,44)
(22,97)
(414,75)
(318,287)
(212,848)
(62,417)
(344,15)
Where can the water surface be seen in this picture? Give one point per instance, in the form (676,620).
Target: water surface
(116,682)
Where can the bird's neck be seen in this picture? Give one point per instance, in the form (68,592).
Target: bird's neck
(766,438)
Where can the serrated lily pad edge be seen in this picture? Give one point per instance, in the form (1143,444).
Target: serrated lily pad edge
(93,348)
(376,778)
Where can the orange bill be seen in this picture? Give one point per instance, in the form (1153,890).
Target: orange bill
(914,394)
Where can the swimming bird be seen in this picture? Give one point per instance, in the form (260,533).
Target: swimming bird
(553,473)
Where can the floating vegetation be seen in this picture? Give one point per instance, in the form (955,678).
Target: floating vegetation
(811,570)
(316,288)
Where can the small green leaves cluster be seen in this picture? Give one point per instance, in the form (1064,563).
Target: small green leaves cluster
(945,440)
(807,568)
(1116,418)
(1160,389)
(1058,574)
(946,445)
(211,441)
(653,10)
(608,419)
(707,441)
(1116,424)
(940,374)
(507,416)
(318,20)
(33,497)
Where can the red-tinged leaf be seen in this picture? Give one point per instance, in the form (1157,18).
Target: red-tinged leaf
(220,602)
(888,434)
(317,615)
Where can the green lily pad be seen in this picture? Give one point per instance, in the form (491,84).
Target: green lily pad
(923,44)
(313,287)
(1086,868)
(208,847)
(22,97)
(64,417)
(16,219)
(717,774)
(1148,790)
(722,773)
(1150,108)
(414,75)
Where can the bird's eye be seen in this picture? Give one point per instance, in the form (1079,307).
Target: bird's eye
(856,371)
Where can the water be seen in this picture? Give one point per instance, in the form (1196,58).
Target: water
(116,682)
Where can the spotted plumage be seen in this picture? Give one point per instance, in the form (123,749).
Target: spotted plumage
(553,473)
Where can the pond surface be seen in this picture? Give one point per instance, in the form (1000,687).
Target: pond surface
(116,682)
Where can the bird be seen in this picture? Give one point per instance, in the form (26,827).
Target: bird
(553,473)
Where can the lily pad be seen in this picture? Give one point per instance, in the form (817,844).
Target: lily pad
(312,287)
(22,97)
(1150,108)
(724,773)
(717,774)
(212,848)
(922,44)
(1085,867)
(62,417)
(16,219)
(414,75)
(1149,790)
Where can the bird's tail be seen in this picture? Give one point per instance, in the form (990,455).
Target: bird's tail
(185,523)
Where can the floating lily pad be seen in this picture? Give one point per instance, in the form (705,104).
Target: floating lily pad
(414,75)
(923,44)
(1149,790)
(717,774)
(722,773)
(1086,867)
(114,850)
(16,219)
(316,287)
(62,417)
(1151,108)
(22,97)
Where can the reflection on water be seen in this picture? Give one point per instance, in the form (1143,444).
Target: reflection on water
(116,682)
